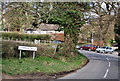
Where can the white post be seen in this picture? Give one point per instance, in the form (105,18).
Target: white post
(92,40)
(55,50)
(33,54)
(40,42)
(20,55)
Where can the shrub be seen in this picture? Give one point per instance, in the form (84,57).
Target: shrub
(21,36)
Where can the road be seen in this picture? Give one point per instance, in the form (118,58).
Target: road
(100,66)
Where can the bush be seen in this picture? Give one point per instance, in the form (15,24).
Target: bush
(20,36)
(10,49)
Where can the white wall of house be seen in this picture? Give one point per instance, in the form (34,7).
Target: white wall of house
(49,32)
(44,32)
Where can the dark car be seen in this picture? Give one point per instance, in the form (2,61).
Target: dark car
(89,47)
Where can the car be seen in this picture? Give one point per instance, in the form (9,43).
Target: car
(118,53)
(77,47)
(89,47)
(105,49)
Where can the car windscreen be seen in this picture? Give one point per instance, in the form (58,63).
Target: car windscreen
(103,47)
(87,46)
(95,46)
(109,48)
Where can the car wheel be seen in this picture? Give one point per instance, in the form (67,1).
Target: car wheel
(119,54)
(103,51)
(106,52)
(111,52)
(89,49)
(97,51)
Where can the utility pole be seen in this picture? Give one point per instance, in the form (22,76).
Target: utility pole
(92,40)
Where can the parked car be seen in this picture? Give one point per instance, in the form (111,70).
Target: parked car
(105,50)
(77,47)
(89,47)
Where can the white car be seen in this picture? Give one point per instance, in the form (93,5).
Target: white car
(105,50)
(77,47)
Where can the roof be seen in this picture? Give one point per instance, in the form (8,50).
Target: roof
(58,36)
(48,27)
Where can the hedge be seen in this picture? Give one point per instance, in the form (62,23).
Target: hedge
(10,50)
(23,36)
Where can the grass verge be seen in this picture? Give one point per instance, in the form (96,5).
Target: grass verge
(47,65)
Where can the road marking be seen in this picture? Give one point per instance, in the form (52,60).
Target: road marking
(109,64)
(107,59)
(106,73)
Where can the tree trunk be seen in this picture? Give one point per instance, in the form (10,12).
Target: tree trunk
(2,22)
(69,46)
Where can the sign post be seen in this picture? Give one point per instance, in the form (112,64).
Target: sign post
(28,49)
(20,55)
(33,54)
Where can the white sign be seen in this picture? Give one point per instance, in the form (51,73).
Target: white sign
(27,48)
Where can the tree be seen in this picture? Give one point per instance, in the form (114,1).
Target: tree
(117,29)
(70,18)
(18,15)
(1,15)
(106,15)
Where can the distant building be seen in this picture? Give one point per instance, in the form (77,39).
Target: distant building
(48,29)
(51,29)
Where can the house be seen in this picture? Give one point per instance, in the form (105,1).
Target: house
(51,29)
(48,29)
(57,37)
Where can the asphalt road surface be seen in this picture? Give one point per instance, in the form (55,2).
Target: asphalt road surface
(100,66)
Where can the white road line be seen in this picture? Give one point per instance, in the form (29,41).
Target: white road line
(107,59)
(106,73)
(109,64)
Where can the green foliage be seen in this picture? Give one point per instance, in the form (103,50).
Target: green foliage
(70,17)
(20,36)
(117,29)
(117,35)
(70,20)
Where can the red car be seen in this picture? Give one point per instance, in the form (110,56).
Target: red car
(89,47)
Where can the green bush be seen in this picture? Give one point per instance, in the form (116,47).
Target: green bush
(21,36)
(10,49)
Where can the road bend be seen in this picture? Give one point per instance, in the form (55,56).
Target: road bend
(100,66)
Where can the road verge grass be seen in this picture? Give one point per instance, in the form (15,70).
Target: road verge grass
(43,64)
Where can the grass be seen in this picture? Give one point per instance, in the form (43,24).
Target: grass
(14,66)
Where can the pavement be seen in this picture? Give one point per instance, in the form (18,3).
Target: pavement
(100,66)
